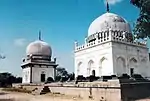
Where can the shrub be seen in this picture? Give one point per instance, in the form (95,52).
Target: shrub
(49,80)
(124,76)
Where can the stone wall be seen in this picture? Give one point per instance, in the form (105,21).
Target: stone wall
(135,91)
(98,94)
(102,91)
(105,91)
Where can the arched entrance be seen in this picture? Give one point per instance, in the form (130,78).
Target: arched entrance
(93,72)
(132,66)
(42,77)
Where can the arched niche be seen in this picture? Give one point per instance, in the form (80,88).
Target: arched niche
(121,68)
(132,62)
(105,67)
(79,67)
(143,67)
(143,60)
(90,67)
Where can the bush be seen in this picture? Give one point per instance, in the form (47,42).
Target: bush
(124,76)
(137,76)
(57,78)
(5,84)
(105,78)
(49,80)
(63,79)
(92,78)
(80,78)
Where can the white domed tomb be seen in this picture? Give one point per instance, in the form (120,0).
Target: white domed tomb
(37,65)
(109,49)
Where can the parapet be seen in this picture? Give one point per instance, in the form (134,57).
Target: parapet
(109,36)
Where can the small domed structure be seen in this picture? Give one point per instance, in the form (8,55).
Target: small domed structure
(109,20)
(39,47)
(38,65)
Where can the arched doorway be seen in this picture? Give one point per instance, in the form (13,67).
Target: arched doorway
(132,66)
(90,67)
(120,69)
(42,77)
(93,72)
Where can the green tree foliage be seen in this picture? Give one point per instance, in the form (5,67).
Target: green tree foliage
(6,79)
(63,75)
(142,28)
(61,72)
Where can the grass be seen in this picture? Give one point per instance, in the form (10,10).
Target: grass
(22,90)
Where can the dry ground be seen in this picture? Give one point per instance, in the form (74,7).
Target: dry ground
(14,96)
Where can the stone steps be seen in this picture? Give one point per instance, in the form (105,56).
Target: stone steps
(41,90)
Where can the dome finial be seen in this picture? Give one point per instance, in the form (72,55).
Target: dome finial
(107,5)
(39,35)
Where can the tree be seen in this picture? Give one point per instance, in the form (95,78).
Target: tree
(63,75)
(18,80)
(142,28)
(6,79)
(71,76)
(61,72)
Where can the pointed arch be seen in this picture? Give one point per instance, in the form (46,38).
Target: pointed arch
(105,69)
(79,67)
(121,68)
(90,67)
(143,60)
(90,63)
(102,59)
(133,65)
(133,62)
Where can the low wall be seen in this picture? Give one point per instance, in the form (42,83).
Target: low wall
(107,94)
(102,91)
(107,91)
(135,91)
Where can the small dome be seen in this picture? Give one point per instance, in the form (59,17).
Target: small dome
(109,20)
(39,48)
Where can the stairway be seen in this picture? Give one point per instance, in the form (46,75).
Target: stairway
(41,90)
(45,90)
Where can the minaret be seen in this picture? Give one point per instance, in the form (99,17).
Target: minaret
(107,6)
(40,35)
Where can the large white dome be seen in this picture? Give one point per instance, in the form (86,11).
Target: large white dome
(109,20)
(39,48)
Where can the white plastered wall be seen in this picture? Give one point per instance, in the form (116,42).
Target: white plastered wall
(37,71)
(134,57)
(26,75)
(97,54)
(120,58)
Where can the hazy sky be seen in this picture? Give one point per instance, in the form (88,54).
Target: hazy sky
(60,21)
